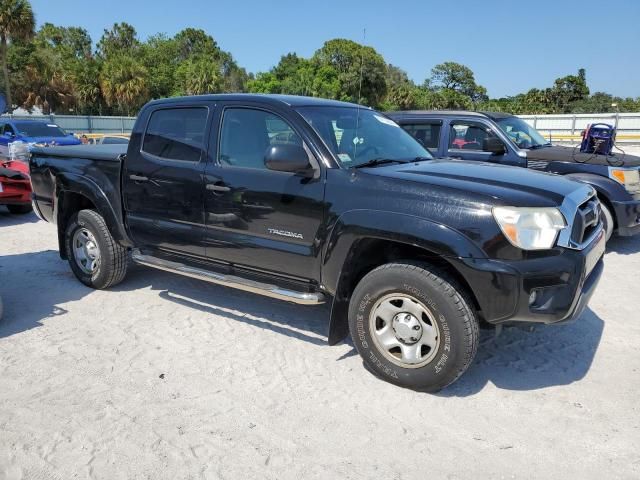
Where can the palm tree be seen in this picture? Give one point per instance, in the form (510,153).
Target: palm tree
(17,22)
(124,83)
(203,77)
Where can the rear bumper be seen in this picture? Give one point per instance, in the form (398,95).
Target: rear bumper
(553,289)
(15,193)
(628,217)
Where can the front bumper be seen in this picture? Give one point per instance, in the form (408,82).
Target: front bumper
(563,283)
(627,216)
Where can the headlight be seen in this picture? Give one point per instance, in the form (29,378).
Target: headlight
(530,228)
(628,177)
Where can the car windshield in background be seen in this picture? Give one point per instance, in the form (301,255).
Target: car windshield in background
(40,130)
(521,133)
(359,135)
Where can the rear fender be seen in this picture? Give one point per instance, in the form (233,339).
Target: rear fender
(67,186)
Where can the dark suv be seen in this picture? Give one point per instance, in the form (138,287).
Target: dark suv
(509,140)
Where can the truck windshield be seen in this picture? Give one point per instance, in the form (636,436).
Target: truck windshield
(33,129)
(521,133)
(358,135)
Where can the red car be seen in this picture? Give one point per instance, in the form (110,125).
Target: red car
(15,186)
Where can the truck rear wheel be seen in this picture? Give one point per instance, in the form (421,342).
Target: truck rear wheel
(413,325)
(94,256)
(19,209)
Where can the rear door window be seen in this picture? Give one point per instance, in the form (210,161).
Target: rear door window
(428,134)
(176,133)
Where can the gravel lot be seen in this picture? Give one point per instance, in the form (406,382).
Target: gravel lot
(165,377)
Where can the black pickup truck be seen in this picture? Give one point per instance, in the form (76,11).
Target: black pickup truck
(312,201)
(509,140)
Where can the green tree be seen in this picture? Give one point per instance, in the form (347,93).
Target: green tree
(17,22)
(199,75)
(264,82)
(456,77)
(402,93)
(121,39)
(87,91)
(360,70)
(567,90)
(71,42)
(123,82)
(60,56)
(298,76)
(159,55)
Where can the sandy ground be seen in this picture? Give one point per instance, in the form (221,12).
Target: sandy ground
(165,377)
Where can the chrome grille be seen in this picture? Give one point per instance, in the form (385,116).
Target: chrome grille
(537,164)
(586,221)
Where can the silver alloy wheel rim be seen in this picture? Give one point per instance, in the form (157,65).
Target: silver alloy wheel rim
(85,251)
(404,330)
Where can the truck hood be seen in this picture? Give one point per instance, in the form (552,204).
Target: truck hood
(51,140)
(569,154)
(498,184)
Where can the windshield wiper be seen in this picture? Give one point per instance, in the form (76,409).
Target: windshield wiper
(374,162)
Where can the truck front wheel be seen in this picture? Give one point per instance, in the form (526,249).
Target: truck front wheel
(94,256)
(413,325)
(608,221)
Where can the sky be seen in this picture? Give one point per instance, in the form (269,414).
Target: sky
(511,46)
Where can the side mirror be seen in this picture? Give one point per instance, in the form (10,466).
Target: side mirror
(493,145)
(288,158)
(7,134)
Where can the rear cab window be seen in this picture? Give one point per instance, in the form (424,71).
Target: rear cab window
(176,133)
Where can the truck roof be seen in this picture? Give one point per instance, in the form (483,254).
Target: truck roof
(446,113)
(272,99)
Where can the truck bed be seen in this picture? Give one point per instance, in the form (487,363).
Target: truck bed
(110,153)
(90,170)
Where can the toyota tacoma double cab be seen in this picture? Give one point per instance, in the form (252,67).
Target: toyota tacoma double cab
(311,201)
(506,139)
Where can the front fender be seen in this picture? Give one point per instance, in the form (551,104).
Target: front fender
(353,226)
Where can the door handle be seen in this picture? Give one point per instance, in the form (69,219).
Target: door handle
(138,178)
(214,187)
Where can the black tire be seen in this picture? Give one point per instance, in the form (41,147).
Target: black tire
(450,307)
(112,267)
(20,209)
(607,220)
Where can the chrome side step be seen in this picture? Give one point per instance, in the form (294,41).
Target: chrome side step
(232,281)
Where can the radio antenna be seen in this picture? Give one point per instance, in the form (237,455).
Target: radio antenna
(364,37)
(356,139)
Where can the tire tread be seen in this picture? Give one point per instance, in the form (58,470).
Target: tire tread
(117,270)
(460,297)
